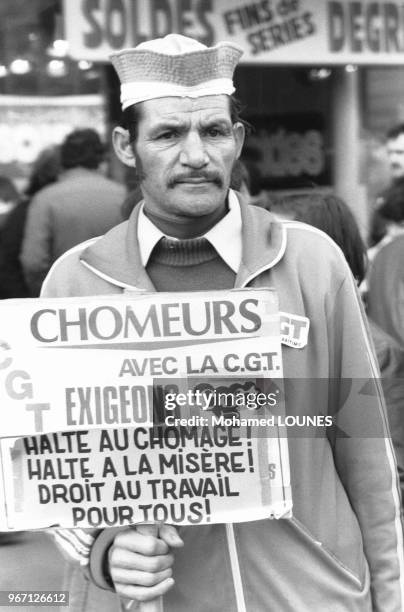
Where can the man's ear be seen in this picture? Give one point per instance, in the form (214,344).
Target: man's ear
(123,147)
(239,135)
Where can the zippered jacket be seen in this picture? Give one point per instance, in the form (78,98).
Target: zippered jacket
(343,548)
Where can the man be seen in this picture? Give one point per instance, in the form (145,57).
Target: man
(385,273)
(381,225)
(82,204)
(395,152)
(385,289)
(342,550)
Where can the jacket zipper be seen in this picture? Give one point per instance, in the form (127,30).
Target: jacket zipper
(235,568)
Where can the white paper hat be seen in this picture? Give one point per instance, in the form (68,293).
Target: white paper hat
(175,66)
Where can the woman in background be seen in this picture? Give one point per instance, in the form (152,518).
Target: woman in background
(45,170)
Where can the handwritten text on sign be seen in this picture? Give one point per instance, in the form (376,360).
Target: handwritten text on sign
(186,476)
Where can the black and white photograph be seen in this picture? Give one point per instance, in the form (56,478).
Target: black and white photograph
(202,305)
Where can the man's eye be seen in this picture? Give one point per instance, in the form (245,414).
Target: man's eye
(167,135)
(214,132)
(217,132)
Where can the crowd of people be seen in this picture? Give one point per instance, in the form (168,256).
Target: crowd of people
(68,199)
(186,225)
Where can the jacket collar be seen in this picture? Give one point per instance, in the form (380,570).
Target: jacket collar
(225,236)
(116,256)
(264,242)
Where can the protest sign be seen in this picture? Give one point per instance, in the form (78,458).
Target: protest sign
(92,362)
(143,407)
(105,478)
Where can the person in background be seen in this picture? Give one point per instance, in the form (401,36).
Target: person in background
(385,280)
(379,224)
(82,204)
(9,197)
(45,170)
(385,288)
(395,152)
(333,216)
(391,211)
(330,214)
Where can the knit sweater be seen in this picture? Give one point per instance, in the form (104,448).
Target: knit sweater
(188,265)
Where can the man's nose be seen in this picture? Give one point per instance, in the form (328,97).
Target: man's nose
(193,152)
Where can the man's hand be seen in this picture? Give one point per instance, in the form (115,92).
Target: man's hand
(140,565)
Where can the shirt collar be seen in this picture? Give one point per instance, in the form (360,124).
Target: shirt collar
(225,236)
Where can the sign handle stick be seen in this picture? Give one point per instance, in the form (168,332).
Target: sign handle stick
(154,605)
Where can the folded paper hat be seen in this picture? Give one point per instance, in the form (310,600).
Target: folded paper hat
(175,66)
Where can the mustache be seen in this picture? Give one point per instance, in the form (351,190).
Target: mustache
(212,177)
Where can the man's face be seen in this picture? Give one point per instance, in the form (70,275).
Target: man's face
(395,153)
(184,151)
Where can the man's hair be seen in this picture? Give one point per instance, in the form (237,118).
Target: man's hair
(395,132)
(8,191)
(82,148)
(45,170)
(131,117)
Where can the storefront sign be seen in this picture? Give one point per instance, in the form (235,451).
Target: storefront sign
(289,151)
(270,31)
